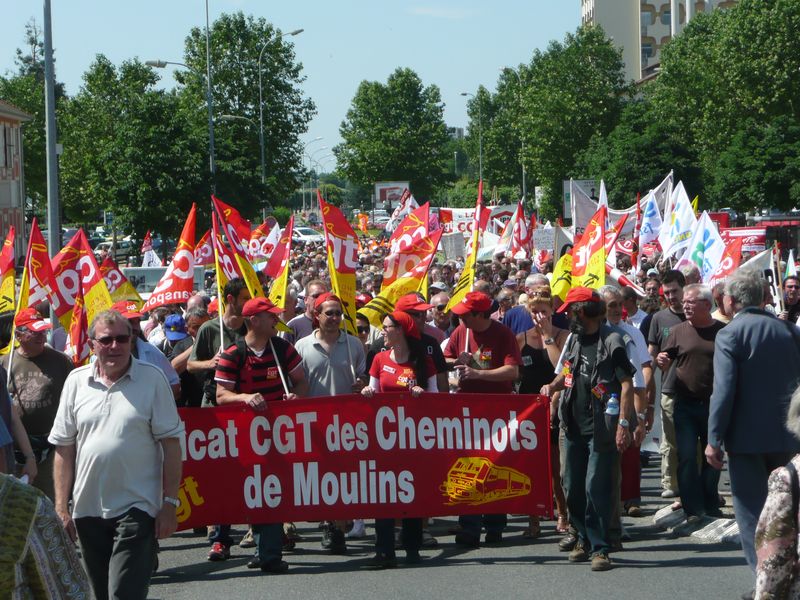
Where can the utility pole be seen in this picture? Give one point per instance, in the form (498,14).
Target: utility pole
(53,204)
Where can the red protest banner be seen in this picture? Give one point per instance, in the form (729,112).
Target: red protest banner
(351,457)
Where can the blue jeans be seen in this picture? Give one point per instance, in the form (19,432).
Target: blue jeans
(222,534)
(269,538)
(698,487)
(589,482)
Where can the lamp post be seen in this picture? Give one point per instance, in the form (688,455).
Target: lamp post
(521,139)
(306,145)
(480,136)
(212,164)
(261,103)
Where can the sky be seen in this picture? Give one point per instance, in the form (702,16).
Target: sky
(454,45)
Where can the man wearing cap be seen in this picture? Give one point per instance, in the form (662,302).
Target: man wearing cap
(178,348)
(254,371)
(334,363)
(118,458)
(37,376)
(594,366)
(145,351)
(486,356)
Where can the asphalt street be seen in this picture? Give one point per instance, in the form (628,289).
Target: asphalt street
(654,565)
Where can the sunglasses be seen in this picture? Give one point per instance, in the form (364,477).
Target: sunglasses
(441,307)
(363,329)
(107,340)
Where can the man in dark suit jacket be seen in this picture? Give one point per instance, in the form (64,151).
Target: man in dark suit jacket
(756,369)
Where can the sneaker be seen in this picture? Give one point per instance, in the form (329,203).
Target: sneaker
(669,494)
(291,532)
(692,524)
(254,562)
(219,551)
(568,542)
(601,562)
(383,561)
(248,541)
(337,545)
(578,553)
(494,537)
(634,510)
(467,540)
(275,567)
(358,531)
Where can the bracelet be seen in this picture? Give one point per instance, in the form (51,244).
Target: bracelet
(174,501)
(623,423)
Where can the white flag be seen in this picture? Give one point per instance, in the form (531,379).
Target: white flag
(651,220)
(676,232)
(705,249)
(791,268)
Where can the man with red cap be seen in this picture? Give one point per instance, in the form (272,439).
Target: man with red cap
(255,370)
(37,376)
(485,354)
(145,351)
(596,413)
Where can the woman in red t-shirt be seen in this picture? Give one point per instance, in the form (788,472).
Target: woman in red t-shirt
(402,367)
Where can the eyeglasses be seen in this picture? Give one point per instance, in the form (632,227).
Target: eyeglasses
(107,340)
(363,329)
(332,313)
(441,307)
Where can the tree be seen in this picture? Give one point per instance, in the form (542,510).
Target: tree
(395,131)
(127,150)
(573,91)
(236,41)
(25,89)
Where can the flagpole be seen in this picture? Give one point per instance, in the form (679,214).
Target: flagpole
(776,261)
(349,354)
(278,364)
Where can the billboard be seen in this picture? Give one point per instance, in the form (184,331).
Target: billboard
(389,192)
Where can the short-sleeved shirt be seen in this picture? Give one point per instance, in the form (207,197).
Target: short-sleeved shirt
(637,350)
(116,431)
(397,377)
(692,349)
(492,348)
(329,374)
(432,348)
(663,321)
(257,373)
(301,326)
(36,383)
(206,345)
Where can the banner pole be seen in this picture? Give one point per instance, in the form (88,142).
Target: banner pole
(278,364)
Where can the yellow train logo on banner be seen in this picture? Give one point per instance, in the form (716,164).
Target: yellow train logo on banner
(476,480)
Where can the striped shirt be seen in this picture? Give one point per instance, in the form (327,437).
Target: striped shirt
(254,373)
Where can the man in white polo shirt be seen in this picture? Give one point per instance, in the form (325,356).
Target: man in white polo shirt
(118,457)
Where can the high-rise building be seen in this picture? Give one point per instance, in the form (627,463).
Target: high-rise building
(641,27)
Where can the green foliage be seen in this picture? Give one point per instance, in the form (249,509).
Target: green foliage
(332,194)
(236,41)
(282,214)
(395,132)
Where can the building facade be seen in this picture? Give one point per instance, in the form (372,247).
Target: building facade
(12,176)
(642,27)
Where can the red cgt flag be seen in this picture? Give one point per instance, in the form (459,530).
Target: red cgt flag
(79,332)
(204,251)
(177,283)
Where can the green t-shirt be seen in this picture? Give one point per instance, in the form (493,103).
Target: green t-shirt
(206,346)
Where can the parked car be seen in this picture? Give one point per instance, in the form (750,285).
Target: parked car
(124,250)
(306,234)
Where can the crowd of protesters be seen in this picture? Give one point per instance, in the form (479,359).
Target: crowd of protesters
(608,359)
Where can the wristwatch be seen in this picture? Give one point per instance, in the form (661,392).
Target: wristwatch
(641,416)
(549,341)
(624,423)
(174,501)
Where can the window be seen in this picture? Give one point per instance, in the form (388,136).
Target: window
(666,17)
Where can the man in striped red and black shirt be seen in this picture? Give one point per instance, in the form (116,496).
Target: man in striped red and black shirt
(252,372)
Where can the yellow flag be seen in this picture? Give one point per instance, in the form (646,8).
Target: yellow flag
(561,282)
(465,281)
(695,204)
(589,254)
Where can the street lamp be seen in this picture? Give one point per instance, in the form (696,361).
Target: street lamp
(480,136)
(261,103)
(212,165)
(521,138)
(302,160)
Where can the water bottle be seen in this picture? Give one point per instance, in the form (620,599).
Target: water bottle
(612,408)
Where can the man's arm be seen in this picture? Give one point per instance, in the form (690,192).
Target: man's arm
(299,383)
(166,519)
(626,411)
(504,373)
(180,362)
(24,444)
(63,477)
(721,406)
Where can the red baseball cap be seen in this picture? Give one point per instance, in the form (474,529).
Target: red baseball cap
(127,309)
(579,294)
(255,306)
(407,324)
(363,299)
(326,297)
(32,320)
(411,302)
(473,302)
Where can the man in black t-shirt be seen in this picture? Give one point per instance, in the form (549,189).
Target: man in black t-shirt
(661,324)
